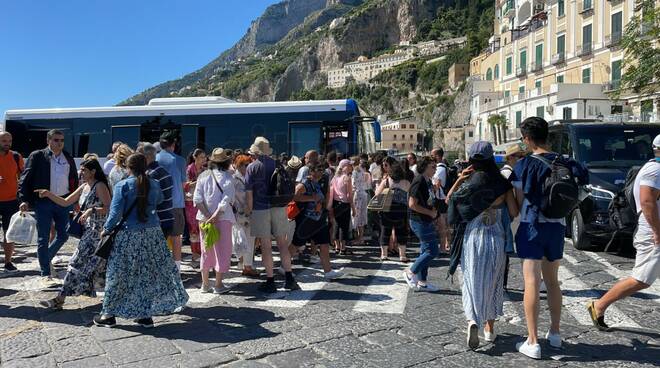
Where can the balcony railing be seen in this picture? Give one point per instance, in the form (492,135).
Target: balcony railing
(536,66)
(558,58)
(584,50)
(587,7)
(521,71)
(612,85)
(509,9)
(613,39)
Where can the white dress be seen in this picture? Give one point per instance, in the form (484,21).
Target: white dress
(360,198)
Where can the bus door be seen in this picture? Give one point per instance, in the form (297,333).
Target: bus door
(189,137)
(129,134)
(305,136)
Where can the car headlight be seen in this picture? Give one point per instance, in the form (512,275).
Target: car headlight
(600,193)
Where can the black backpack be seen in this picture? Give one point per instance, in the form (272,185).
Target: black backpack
(281,187)
(452,176)
(560,189)
(623,209)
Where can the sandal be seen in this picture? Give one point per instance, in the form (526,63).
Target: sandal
(599,322)
(53,304)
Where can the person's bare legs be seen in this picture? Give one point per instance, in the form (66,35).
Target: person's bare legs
(620,290)
(402,252)
(532,276)
(325,257)
(205,277)
(176,247)
(9,251)
(549,270)
(267,256)
(218,280)
(490,325)
(285,256)
(383,251)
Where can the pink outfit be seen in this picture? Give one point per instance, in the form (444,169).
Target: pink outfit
(218,258)
(340,188)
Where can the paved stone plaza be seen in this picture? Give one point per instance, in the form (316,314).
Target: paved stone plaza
(367,319)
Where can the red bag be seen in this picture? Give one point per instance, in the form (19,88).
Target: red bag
(292,210)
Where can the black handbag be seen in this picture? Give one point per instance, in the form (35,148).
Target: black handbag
(75,228)
(108,239)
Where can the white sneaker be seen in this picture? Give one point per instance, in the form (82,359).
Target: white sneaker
(427,287)
(473,336)
(206,289)
(532,351)
(554,339)
(332,275)
(410,280)
(490,336)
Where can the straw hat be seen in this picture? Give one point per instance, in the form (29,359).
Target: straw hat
(294,163)
(513,149)
(261,146)
(219,155)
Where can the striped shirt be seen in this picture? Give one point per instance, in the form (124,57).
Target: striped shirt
(166,184)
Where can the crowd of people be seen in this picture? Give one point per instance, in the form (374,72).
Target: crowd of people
(236,203)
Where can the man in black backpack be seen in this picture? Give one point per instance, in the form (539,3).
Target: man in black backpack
(646,193)
(441,182)
(540,236)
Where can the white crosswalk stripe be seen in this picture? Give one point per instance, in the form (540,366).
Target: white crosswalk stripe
(577,294)
(386,293)
(653,290)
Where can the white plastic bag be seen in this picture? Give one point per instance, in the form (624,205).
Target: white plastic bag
(22,229)
(239,240)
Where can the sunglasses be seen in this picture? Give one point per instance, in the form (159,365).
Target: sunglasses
(56,140)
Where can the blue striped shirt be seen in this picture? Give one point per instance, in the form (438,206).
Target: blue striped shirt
(164,209)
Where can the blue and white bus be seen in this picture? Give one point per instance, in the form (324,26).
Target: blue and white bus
(203,122)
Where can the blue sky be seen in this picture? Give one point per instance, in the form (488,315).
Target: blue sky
(72,53)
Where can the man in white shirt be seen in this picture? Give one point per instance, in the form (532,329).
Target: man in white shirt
(646,191)
(439,181)
(107,167)
(311,159)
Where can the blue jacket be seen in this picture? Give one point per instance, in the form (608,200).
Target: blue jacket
(36,175)
(123,196)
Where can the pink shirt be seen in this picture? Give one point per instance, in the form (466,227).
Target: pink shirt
(340,188)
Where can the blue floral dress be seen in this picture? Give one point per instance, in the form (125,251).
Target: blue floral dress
(86,269)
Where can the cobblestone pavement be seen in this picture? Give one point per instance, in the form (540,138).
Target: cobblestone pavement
(367,319)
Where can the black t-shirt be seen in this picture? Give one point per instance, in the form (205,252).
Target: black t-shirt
(422,189)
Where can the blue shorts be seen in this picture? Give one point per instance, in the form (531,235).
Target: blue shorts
(548,243)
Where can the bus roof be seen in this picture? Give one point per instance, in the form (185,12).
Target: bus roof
(348,105)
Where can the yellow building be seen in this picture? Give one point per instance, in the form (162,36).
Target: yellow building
(558,59)
(399,135)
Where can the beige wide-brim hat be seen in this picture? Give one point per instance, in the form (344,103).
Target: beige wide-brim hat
(261,146)
(294,163)
(513,149)
(219,155)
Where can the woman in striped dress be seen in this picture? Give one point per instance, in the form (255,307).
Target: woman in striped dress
(483,258)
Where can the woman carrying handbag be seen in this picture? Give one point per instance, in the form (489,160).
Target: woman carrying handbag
(84,266)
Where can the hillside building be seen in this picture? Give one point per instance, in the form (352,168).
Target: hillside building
(400,135)
(364,69)
(557,59)
(457,75)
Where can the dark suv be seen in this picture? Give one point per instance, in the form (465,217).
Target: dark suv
(608,150)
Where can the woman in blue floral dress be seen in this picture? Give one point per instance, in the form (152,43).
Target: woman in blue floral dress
(142,279)
(85,268)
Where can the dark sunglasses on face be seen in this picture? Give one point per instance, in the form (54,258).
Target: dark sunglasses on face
(58,140)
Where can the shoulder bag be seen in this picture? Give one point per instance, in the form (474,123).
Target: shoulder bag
(107,240)
(382,202)
(75,228)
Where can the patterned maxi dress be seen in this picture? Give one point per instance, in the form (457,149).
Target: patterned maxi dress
(84,267)
(360,198)
(483,262)
(191,210)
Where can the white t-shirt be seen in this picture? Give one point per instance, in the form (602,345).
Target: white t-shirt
(648,176)
(440,179)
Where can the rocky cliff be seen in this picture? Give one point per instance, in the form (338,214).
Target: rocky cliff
(293,43)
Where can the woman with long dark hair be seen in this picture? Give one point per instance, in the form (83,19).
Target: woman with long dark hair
(84,267)
(480,198)
(142,279)
(196,164)
(394,224)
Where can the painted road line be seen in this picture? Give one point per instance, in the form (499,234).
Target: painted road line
(580,294)
(311,281)
(387,293)
(653,290)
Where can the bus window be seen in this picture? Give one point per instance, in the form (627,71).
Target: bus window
(83,145)
(129,134)
(189,138)
(304,137)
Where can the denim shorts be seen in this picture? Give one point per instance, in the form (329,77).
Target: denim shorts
(548,243)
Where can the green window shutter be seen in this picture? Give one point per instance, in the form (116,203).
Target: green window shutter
(540,111)
(497,71)
(489,74)
(537,84)
(521,89)
(539,54)
(560,79)
(617,25)
(616,70)
(561,8)
(523,59)
(561,44)
(586,75)
(518,118)
(586,35)
(507,93)
(509,65)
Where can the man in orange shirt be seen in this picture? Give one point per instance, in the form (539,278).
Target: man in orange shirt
(11,166)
